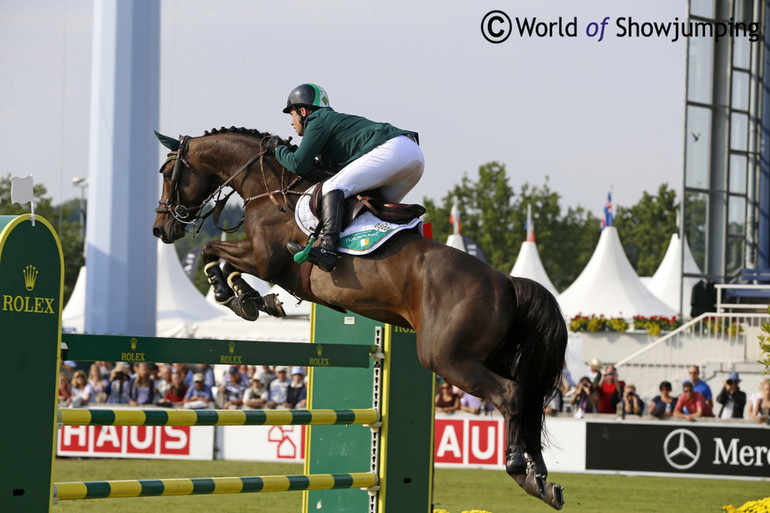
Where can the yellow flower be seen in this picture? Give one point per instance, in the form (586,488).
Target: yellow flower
(759,506)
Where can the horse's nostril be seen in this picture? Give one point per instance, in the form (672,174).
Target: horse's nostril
(156,231)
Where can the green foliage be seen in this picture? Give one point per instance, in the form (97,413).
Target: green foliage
(645,229)
(61,218)
(494,216)
(764,344)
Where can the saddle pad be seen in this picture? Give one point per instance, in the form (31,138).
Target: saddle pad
(365,234)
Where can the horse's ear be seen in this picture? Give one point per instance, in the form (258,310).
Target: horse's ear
(169,142)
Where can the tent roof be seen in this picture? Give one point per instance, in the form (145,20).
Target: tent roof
(609,285)
(529,265)
(665,283)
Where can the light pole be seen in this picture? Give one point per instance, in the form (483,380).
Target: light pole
(82,183)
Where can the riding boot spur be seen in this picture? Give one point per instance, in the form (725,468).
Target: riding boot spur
(324,255)
(222,293)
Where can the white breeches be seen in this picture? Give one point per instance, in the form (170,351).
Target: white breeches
(395,166)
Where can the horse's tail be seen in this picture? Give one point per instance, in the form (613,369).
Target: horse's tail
(540,336)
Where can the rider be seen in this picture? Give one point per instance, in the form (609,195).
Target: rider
(363,154)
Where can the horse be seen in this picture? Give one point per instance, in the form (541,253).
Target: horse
(494,336)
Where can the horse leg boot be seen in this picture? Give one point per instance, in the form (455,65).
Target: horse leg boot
(324,255)
(222,293)
(248,302)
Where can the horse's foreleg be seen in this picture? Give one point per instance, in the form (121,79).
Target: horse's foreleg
(223,294)
(230,287)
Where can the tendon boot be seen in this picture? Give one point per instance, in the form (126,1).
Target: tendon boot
(223,294)
(324,255)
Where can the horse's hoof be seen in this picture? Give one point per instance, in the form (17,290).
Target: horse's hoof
(271,306)
(531,483)
(515,462)
(554,495)
(245,308)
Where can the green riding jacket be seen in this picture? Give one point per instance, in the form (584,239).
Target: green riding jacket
(336,139)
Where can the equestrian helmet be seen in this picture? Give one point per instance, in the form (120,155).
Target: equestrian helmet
(307,95)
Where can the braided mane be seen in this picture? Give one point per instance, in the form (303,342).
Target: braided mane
(237,130)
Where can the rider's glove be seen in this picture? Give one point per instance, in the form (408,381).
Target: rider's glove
(274,142)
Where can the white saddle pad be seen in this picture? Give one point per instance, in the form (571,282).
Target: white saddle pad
(365,234)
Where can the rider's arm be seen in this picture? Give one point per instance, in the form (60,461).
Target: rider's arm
(317,133)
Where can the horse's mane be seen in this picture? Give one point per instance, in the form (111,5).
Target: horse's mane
(236,130)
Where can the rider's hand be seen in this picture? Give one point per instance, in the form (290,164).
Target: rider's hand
(273,143)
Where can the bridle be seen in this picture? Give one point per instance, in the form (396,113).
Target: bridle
(193,216)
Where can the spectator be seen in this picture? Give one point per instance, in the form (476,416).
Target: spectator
(82,393)
(187,374)
(105,368)
(700,386)
(233,387)
(278,387)
(762,404)
(68,368)
(256,396)
(141,389)
(631,403)
(585,399)
(756,397)
(446,399)
(98,383)
(691,404)
(732,398)
(199,395)
(164,380)
(175,394)
(120,380)
(470,403)
(596,372)
(65,390)
(266,375)
(208,374)
(296,393)
(662,405)
(610,390)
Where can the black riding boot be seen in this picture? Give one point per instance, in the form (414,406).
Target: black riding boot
(324,255)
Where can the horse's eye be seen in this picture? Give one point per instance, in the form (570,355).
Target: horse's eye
(167,176)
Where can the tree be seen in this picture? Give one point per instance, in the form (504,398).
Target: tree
(68,231)
(494,216)
(645,229)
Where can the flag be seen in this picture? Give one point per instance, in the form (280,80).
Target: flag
(530,226)
(454,217)
(607,221)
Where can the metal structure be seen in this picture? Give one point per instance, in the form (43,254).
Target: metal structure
(726,185)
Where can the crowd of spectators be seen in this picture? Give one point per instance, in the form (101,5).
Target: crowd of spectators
(257,387)
(602,391)
(182,386)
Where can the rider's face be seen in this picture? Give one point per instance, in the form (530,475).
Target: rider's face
(296,120)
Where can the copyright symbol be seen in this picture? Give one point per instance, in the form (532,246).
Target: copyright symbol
(496,27)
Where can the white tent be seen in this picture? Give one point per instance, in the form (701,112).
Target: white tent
(184,312)
(528,265)
(666,280)
(609,286)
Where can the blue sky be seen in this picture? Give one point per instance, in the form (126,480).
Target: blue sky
(588,114)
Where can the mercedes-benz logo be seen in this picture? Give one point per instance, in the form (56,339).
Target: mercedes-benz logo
(681,449)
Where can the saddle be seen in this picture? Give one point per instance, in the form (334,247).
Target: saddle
(396,213)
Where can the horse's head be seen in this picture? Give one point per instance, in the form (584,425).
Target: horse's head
(186,190)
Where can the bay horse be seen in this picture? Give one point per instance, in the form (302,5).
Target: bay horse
(495,336)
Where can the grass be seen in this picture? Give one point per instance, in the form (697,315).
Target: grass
(456,490)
